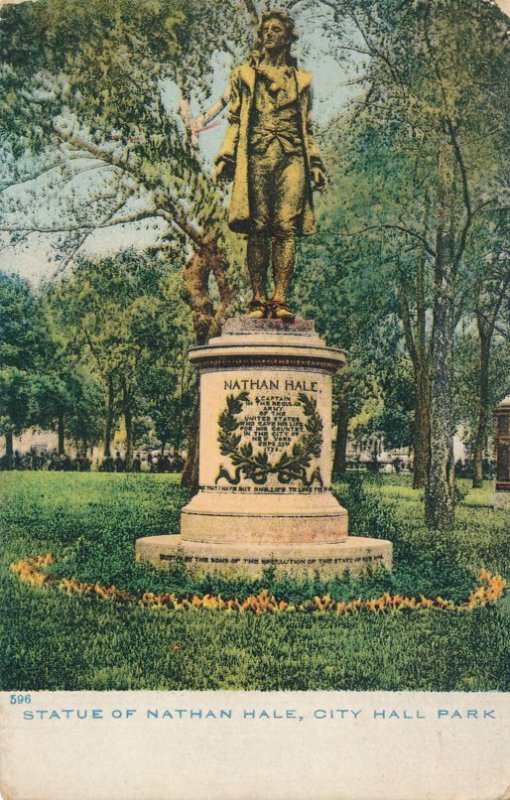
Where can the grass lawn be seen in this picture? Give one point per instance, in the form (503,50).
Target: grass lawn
(54,641)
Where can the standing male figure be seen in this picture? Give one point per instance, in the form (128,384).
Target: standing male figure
(270,154)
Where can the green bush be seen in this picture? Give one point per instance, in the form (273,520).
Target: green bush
(103,552)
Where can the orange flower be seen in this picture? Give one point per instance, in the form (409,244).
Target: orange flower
(33,570)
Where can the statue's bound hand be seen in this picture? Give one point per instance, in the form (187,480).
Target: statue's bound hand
(319,178)
(223,172)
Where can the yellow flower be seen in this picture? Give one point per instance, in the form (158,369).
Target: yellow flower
(32,570)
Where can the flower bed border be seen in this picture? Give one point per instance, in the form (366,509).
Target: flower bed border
(34,571)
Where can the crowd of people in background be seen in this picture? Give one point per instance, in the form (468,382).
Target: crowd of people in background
(63,462)
(398,465)
(42,459)
(144,462)
(173,462)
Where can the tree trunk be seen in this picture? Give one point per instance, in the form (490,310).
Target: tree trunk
(189,477)
(483,409)
(61,434)
(415,333)
(439,494)
(109,420)
(128,423)
(439,498)
(9,449)
(421,428)
(204,261)
(342,421)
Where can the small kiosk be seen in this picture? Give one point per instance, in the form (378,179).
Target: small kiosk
(503,445)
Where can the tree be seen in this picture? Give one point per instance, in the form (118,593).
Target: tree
(169,401)
(396,419)
(169,386)
(490,296)
(21,332)
(366,291)
(91,97)
(442,114)
(92,100)
(70,400)
(89,122)
(394,269)
(125,320)
(85,107)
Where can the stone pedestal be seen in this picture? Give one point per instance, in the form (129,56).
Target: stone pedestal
(265,459)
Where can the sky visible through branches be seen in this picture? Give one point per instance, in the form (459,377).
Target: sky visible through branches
(334,87)
(32,257)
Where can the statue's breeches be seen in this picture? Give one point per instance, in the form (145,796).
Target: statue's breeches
(277,185)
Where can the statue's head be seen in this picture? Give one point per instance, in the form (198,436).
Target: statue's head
(276,30)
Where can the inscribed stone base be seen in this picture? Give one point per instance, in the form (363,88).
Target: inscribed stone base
(265,437)
(265,445)
(355,555)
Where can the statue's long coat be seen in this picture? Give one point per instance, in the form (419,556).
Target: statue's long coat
(235,146)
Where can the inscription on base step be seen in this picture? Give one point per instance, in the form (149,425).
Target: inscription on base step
(206,560)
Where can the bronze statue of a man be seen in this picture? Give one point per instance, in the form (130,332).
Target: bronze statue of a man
(270,154)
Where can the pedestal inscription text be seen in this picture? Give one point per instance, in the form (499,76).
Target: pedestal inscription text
(257,385)
(270,434)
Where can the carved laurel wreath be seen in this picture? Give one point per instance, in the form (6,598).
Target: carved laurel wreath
(291,465)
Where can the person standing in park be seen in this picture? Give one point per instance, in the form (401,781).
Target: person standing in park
(107,465)
(270,155)
(119,463)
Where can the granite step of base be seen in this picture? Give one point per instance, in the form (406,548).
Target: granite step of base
(355,555)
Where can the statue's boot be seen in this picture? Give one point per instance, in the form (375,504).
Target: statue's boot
(257,259)
(283,260)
